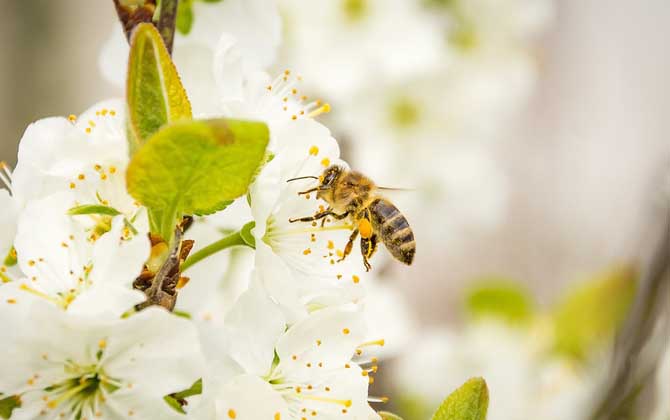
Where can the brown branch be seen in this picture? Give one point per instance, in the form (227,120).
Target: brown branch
(132,15)
(161,288)
(626,378)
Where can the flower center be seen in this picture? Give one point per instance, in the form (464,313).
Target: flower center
(463,36)
(275,231)
(403,112)
(62,299)
(83,391)
(354,10)
(305,398)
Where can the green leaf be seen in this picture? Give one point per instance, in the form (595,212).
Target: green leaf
(589,316)
(501,299)
(93,209)
(246,234)
(154,93)
(195,167)
(172,402)
(195,389)
(413,406)
(469,402)
(8,404)
(385,415)
(185,16)
(176,400)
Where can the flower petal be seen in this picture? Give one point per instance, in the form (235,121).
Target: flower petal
(247,397)
(252,328)
(329,336)
(156,351)
(117,258)
(8,216)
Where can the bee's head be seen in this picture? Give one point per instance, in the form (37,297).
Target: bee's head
(330,176)
(327,182)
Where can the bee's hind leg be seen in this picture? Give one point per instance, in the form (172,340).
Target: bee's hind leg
(368,248)
(350,245)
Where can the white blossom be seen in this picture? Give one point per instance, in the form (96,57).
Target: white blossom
(63,365)
(8,217)
(305,370)
(70,266)
(216,282)
(300,261)
(87,156)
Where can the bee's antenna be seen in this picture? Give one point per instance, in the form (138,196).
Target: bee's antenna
(302,177)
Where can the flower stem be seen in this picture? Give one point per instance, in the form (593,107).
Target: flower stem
(234,239)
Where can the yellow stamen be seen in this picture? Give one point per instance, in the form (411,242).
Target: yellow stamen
(323,109)
(379,342)
(346,403)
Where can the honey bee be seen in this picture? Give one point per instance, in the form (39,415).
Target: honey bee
(352,195)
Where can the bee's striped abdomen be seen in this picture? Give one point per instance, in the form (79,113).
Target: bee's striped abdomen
(394,229)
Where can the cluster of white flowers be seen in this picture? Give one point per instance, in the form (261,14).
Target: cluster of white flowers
(275,333)
(286,330)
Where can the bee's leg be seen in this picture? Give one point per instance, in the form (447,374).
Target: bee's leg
(320,215)
(323,221)
(350,245)
(368,248)
(335,216)
(317,216)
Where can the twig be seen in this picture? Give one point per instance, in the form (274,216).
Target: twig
(162,290)
(132,15)
(625,379)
